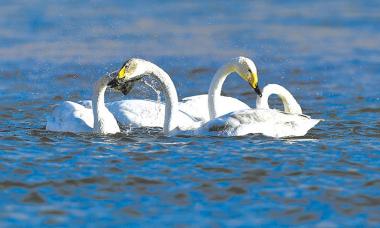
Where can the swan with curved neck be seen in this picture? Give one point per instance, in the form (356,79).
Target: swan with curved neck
(232,124)
(135,69)
(73,117)
(245,68)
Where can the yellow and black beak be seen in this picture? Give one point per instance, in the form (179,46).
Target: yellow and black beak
(254,83)
(257,89)
(124,87)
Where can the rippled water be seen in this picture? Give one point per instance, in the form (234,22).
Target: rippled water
(326,53)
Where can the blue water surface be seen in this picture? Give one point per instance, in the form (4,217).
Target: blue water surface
(326,53)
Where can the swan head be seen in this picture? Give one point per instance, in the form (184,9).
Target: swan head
(131,71)
(246,69)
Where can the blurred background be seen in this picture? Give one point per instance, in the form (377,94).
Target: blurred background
(308,42)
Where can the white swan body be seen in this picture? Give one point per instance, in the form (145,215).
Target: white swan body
(198,106)
(269,122)
(73,117)
(145,113)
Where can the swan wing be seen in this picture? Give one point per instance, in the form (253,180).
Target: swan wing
(197,106)
(70,117)
(146,113)
(138,113)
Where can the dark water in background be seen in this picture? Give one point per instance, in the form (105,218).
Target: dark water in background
(326,53)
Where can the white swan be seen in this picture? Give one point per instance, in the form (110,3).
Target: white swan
(263,120)
(208,106)
(193,110)
(135,69)
(73,117)
(269,122)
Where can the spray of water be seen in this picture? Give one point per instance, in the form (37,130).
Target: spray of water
(153,84)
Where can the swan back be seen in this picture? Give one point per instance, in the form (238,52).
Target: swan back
(197,106)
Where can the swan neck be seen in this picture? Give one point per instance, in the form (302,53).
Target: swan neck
(99,109)
(171,97)
(262,102)
(215,88)
(289,102)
